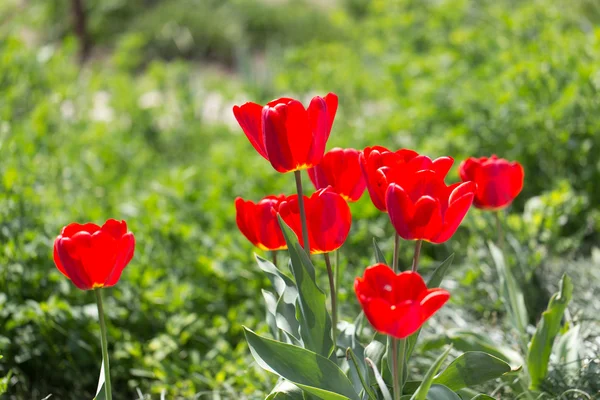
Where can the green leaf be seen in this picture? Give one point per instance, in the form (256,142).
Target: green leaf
(441,392)
(315,322)
(464,340)
(308,370)
(271,312)
(423,389)
(101,390)
(545,333)
(379,257)
(285,313)
(434,281)
(347,339)
(285,390)
(385,392)
(482,396)
(355,370)
(512,294)
(567,350)
(471,368)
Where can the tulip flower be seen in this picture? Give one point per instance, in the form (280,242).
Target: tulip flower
(498,181)
(259,224)
(92,256)
(328,219)
(422,207)
(397,304)
(341,170)
(289,136)
(382,167)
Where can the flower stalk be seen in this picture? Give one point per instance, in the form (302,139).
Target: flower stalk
(298,177)
(104,342)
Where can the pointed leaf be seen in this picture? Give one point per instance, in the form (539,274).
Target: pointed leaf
(310,371)
(285,390)
(379,257)
(567,350)
(441,392)
(545,333)
(421,393)
(380,382)
(471,368)
(315,322)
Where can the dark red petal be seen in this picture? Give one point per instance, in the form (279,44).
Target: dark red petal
(432,302)
(299,133)
(275,137)
(57,262)
(427,220)
(125,252)
(453,217)
(320,125)
(244,219)
(401,210)
(73,267)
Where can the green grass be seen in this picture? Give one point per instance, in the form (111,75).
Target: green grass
(144,132)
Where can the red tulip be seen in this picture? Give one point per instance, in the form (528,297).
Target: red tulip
(382,167)
(498,180)
(289,136)
(340,169)
(92,256)
(423,207)
(397,304)
(259,224)
(328,218)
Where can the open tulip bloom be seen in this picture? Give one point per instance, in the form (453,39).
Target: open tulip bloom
(397,304)
(382,167)
(285,133)
(341,170)
(498,181)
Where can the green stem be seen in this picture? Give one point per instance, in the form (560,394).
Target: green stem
(396,251)
(398,349)
(107,385)
(417,254)
(336,271)
(333,296)
(498,216)
(274,257)
(298,177)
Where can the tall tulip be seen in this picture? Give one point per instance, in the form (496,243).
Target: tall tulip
(258,224)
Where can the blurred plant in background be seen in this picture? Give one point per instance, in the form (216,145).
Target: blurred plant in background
(143,130)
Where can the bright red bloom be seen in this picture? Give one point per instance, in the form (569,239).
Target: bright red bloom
(341,170)
(382,167)
(397,304)
(289,136)
(92,256)
(498,180)
(423,207)
(258,222)
(328,218)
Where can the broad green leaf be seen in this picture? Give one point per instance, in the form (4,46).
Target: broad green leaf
(512,294)
(441,392)
(356,372)
(434,281)
(385,392)
(271,311)
(375,351)
(567,350)
(471,368)
(101,390)
(423,389)
(285,314)
(482,396)
(545,333)
(285,390)
(379,257)
(315,322)
(308,370)
(347,339)
(465,340)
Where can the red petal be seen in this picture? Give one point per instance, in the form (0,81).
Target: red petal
(401,210)
(250,120)
(275,137)
(453,217)
(125,251)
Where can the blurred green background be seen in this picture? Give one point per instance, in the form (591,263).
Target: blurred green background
(129,116)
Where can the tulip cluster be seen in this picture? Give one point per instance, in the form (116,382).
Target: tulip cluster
(409,187)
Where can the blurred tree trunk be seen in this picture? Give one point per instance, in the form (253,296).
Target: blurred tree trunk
(79,23)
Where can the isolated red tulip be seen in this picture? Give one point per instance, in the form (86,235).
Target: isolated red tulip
(258,222)
(289,136)
(423,207)
(92,256)
(498,181)
(382,167)
(328,218)
(341,170)
(397,304)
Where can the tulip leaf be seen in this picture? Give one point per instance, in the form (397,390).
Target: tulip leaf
(567,350)
(285,311)
(512,294)
(315,322)
(546,331)
(471,368)
(308,370)
(101,390)
(423,389)
(385,392)
(482,396)
(285,390)
(438,392)
(358,374)
(379,257)
(434,281)
(348,339)
(271,311)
